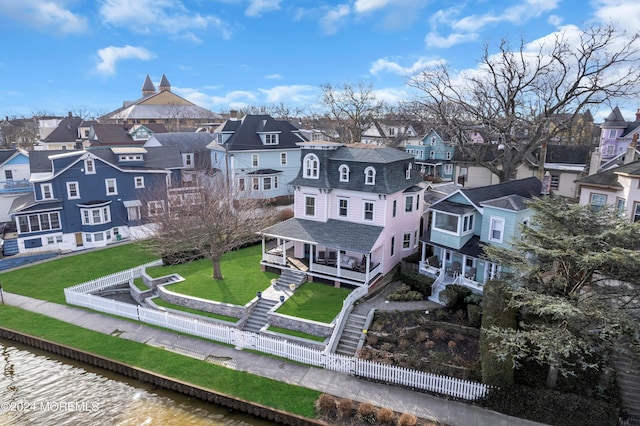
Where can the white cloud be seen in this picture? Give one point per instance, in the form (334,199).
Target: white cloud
(273,77)
(334,17)
(555,20)
(44,15)
(517,14)
(258,7)
(384,65)
(624,13)
(363,6)
(294,94)
(110,56)
(160,16)
(433,39)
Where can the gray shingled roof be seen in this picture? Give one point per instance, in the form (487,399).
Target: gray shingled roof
(67,130)
(508,202)
(39,160)
(27,202)
(473,247)
(246,133)
(148,85)
(455,208)
(390,165)
(185,141)
(342,235)
(527,188)
(5,154)
(609,178)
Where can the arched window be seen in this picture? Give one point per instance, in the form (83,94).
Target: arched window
(370,176)
(311,166)
(344,173)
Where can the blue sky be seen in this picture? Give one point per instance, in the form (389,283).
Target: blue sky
(62,55)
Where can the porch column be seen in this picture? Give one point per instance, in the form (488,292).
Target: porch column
(338,256)
(443,261)
(263,247)
(463,267)
(312,255)
(367,258)
(423,255)
(283,248)
(485,275)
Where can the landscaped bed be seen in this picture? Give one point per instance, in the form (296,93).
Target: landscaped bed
(438,343)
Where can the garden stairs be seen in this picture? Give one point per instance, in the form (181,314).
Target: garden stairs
(628,378)
(350,337)
(258,317)
(290,276)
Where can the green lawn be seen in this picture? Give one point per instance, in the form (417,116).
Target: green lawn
(314,301)
(242,277)
(296,333)
(46,281)
(280,395)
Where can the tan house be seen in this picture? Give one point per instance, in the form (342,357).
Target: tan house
(161,106)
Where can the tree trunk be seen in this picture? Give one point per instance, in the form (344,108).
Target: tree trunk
(217,271)
(552,374)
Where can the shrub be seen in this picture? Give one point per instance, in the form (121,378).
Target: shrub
(404,294)
(326,405)
(413,258)
(550,407)
(367,412)
(421,336)
(452,345)
(372,339)
(429,344)
(417,282)
(407,419)
(454,296)
(284,215)
(403,344)
(498,372)
(345,408)
(439,334)
(474,314)
(385,415)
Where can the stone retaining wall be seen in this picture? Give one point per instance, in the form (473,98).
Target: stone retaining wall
(205,305)
(299,324)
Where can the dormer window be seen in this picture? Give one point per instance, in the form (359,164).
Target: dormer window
(311,166)
(344,173)
(135,157)
(408,172)
(370,176)
(271,139)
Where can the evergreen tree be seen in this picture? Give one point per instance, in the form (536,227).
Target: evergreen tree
(576,283)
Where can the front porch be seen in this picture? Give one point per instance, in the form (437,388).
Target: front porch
(325,262)
(464,267)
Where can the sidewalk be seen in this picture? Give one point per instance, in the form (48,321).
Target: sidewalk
(331,382)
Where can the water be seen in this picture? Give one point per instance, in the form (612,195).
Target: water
(38,389)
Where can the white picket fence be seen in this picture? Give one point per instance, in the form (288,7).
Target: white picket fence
(79,295)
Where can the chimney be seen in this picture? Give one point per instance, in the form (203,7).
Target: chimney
(70,114)
(638,115)
(233,115)
(596,159)
(630,156)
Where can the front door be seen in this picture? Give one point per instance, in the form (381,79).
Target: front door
(79,240)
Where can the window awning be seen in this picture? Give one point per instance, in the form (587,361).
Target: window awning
(132,203)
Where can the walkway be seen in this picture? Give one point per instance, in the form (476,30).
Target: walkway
(335,383)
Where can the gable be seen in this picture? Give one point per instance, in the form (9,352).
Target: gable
(165,98)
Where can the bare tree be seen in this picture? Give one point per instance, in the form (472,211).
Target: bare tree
(354,109)
(513,96)
(209,220)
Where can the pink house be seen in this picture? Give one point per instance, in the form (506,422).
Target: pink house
(357,212)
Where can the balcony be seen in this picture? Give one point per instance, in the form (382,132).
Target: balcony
(14,186)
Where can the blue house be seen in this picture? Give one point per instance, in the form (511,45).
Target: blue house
(14,179)
(434,155)
(462,223)
(90,198)
(259,154)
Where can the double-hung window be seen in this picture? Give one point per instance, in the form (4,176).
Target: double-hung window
(408,204)
(496,229)
(598,201)
(406,240)
(343,207)
(112,187)
(46,190)
(311,166)
(368,210)
(309,205)
(73,191)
